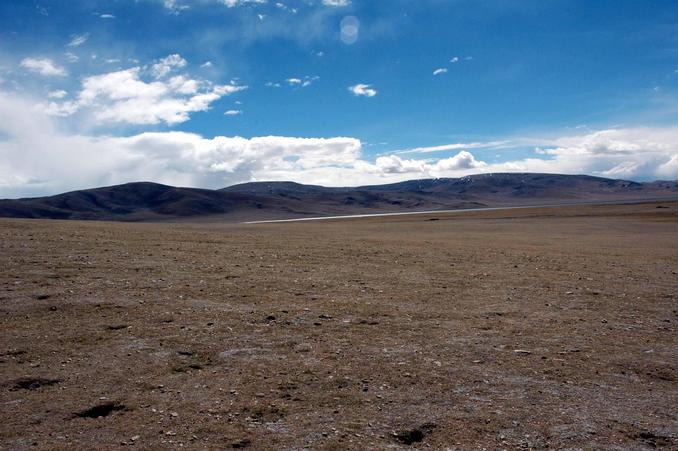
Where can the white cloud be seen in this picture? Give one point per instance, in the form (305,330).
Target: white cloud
(305,82)
(107,16)
(362,89)
(43,66)
(123,97)
(206,64)
(233,113)
(166,65)
(78,40)
(394,164)
(336,2)
(455,59)
(271,84)
(440,71)
(59,94)
(462,161)
(72,58)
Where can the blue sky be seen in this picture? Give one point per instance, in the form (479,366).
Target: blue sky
(336,92)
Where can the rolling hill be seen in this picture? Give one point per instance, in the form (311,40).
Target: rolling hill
(145,201)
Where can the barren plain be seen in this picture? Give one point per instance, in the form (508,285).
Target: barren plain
(536,328)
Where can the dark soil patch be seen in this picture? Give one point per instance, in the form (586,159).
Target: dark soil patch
(416,435)
(101,410)
(241,444)
(653,440)
(28,383)
(117,327)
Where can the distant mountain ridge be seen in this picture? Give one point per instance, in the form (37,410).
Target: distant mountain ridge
(145,201)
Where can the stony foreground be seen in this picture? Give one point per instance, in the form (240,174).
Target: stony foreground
(544,328)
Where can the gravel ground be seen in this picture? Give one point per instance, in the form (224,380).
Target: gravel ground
(533,329)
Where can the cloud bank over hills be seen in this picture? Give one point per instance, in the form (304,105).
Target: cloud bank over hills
(38,158)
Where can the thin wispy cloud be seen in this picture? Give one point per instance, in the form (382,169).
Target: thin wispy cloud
(232,112)
(456,146)
(440,71)
(59,94)
(71,57)
(174,6)
(284,7)
(302,82)
(234,3)
(78,40)
(336,2)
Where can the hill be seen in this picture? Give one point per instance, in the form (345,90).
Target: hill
(145,201)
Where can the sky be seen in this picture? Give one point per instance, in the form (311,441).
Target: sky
(210,93)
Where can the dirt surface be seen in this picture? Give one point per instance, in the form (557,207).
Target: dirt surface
(544,328)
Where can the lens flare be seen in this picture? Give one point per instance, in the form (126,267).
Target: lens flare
(350,30)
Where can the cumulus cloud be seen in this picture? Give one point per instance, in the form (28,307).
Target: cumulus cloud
(363,90)
(393,164)
(166,65)
(43,66)
(124,97)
